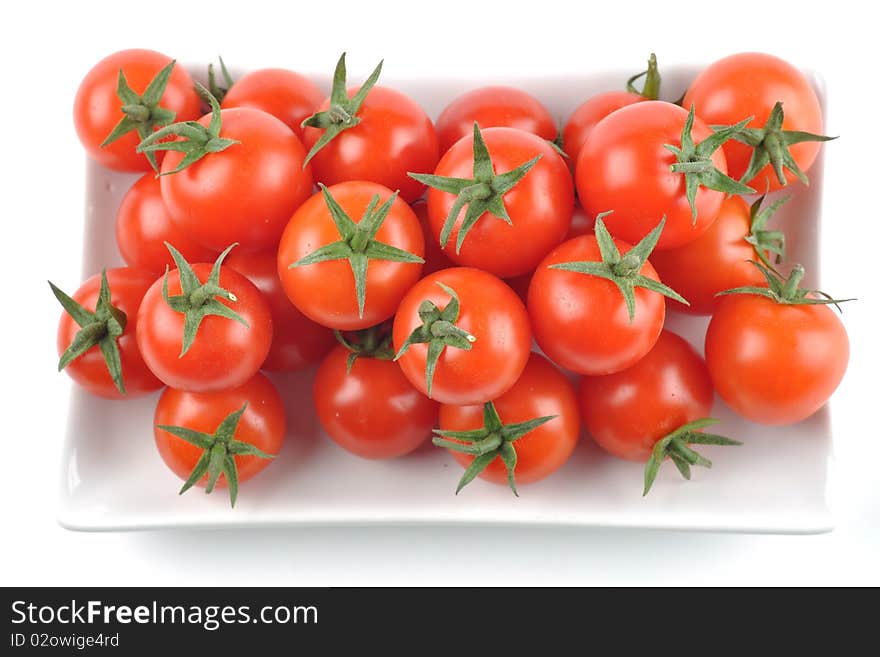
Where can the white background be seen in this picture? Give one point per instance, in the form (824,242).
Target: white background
(46,49)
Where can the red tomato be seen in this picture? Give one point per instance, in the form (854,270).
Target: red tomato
(325,291)
(96,108)
(540,205)
(490,312)
(297,341)
(775,363)
(435,258)
(143,225)
(245,193)
(394,137)
(224,353)
(372,410)
(520,285)
(717,260)
(625,167)
(540,391)
(581,321)
(582,121)
(494,107)
(626,413)
(127,288)
(750,84)
(262,425)
(284,94)
(581,223)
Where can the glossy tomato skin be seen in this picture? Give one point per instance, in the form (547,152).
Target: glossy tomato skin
(581,223)
(143,225)
(750,84)
(96,107)
(297,341)
(325,292)
(372,411)
(284,94)
(540,206)
(582,121)
(626,413)
(541,390)
(394,137)
(581,321)
(263,424)
(623,166)
(243,194)
(225,354)
(435,258)
(128,285)
(717,260)
(493,107)
(492,313)
(774,363)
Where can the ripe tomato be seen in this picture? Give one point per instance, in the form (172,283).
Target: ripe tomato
(247,443)
(775,363)
(478,344)
(541,391)
(126,287)
(97,107)
(627,412)
(224,351)
(581,223)
(539,205)
(494,107)
(750,84)
(143,225)
(625,167)
(244,193)
(435,258)
(371,410)
(297,341)
(326,290)
(284,94)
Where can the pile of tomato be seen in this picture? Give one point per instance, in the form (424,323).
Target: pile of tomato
(480,280)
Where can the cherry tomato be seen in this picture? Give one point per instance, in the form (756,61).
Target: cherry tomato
(435,258)
(297,341)
(244,194)
(96,108)
(627,412)
(128,285)
(494,107)
(750,84)
(262,425)
(775,363)
(490,312)
(582,121)
(540,205)
(224,353)
(541,390)
(284,94)
(717,260)
(143,225)
(624,167)
(373,410)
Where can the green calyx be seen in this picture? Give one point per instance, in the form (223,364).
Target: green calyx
(480,194)
(142,114)
(358,243)
(493,439)
(695,162)
(766,241)
(197,141)
(198,300)
(373,342)
(217,91)
(438,331)
(786,291)
(219,452)
(651,87)
(770,146)
(342,114)
(623,270)
(676,446)
(102,328)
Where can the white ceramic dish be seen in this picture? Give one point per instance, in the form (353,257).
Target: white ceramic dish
(113,479)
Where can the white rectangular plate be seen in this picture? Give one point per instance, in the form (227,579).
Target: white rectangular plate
(113,478)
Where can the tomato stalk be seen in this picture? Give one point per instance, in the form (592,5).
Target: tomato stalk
(786,291)
(216,90)
(766,241)
(651,87)
(373,342)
